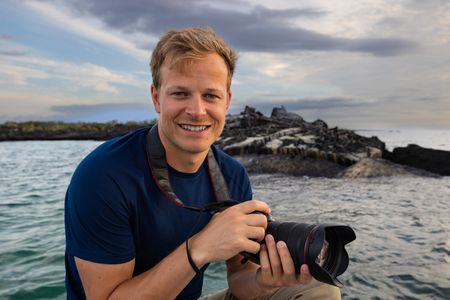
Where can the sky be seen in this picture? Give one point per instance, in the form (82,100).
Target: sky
(357,64)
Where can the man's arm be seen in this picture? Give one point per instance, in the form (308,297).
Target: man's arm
(232,231)
(164,281)
(250,281)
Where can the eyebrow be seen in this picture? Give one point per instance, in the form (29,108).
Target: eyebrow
(183,88)
(177,87)
(209,90)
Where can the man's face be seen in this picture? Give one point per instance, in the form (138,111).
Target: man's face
(192,105)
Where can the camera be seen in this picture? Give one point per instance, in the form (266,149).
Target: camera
(320,246)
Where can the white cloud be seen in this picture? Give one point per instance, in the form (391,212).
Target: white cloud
(31,103)
(397,85)
(17,75)
(19,70)
(91,28)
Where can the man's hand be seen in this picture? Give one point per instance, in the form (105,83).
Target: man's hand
(230,232)
(277,268)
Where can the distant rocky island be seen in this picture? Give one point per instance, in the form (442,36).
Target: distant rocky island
(282,143)
(52,131)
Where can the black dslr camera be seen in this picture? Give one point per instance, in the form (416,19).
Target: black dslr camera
(320,246)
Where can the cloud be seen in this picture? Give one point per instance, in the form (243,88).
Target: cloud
(82,109)
(12,53)
(19,75)
(105,112)
(257,28)
(20,69)
(88,28)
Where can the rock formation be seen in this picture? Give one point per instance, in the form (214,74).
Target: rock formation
(282,143)
(368,167)
(436,161)
(286,133)
(286,143)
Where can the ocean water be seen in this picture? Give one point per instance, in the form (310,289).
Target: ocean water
(402,250)
(428,138)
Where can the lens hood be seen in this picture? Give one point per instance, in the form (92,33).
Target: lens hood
(320,246)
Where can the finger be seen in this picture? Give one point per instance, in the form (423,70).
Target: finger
(305,276)
(256,233)
(250,246)
(274,258)
(256,220)
(266,272)
(286,263)
(252,206)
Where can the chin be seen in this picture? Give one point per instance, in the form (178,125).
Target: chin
(194,149)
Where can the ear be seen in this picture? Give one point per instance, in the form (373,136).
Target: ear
(155,98)
(229,96)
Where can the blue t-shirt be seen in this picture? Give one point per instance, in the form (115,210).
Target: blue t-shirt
(114,212)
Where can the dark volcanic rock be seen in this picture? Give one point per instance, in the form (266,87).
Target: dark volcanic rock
(52,131)
(290,165)
(252,133)
(286,143)
(436,161)
(369,167)
(283,143)
(282,113)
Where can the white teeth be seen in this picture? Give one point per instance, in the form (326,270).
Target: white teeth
(193,128)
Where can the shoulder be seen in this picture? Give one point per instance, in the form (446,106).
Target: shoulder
(112,160)
(116,153)
(99,200)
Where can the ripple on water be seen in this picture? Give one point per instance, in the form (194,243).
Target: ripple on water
(417,287)
(47,291)
(441,249)
(402,250)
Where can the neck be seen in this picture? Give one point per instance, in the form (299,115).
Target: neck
(182,161)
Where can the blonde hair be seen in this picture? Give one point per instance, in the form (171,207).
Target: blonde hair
(180,48)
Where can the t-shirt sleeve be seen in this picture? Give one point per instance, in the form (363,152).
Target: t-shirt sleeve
(97,218)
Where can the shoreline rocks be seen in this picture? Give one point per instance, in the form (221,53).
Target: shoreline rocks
(282,143)
(289,165)
(285,143)
(54,131)
(432,160)
(286,133)
(368,167)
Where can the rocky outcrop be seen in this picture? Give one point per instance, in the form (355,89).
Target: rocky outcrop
(282,143)
(286,143)
(286,133)
(436,161)
(51,131)
(369,167)
(290,165)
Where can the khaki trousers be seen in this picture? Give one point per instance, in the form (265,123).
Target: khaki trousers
(313,291)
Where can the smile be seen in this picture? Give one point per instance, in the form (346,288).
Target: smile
(193,128)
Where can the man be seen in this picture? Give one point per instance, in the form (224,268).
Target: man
(126,238)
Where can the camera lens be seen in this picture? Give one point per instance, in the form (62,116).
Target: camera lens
(320,246)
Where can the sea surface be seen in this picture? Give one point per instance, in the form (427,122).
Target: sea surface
(402,224)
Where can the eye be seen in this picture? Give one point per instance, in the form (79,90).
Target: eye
(179,94)
(209,96)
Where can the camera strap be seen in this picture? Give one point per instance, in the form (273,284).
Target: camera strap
(156,158)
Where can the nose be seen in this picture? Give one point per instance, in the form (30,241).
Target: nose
(196,106)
